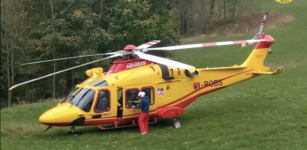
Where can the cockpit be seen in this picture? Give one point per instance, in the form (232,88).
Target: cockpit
(84,98)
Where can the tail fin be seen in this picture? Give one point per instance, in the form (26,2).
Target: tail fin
(258,55)
(256,59)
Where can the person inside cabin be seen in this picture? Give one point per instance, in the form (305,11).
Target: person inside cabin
(144,115)
(103,102)
(133,99)
(119,107)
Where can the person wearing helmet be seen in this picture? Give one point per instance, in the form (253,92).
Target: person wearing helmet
(144,116)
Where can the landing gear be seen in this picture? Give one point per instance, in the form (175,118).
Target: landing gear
(270,51)
(176,123)
(72,131)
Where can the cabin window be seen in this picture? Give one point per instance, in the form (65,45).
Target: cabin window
(132,98)
(100,83)
(83,99)
(149,91)
(103,103)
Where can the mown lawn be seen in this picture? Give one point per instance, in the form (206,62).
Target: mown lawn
(267,113)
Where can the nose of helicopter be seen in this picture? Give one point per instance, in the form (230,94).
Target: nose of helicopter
(61,115)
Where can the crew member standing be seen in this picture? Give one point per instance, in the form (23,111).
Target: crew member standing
(144,116)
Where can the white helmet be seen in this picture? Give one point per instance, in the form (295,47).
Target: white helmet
(142,94)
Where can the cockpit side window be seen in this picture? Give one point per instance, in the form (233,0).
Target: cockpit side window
(132,97)
(83,99)
(103,101)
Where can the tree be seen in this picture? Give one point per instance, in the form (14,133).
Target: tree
(51,29)
(12,20)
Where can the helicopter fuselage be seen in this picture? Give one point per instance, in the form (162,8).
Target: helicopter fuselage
(169,89)
(108,97)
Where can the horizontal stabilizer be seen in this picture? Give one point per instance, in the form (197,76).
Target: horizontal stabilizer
(277,71)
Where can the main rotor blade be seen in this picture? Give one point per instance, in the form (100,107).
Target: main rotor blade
(165,61)
(65,58)
(148,44)
(48,75)
(190,46)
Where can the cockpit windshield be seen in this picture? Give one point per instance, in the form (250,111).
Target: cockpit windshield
(70,94)
(83,99)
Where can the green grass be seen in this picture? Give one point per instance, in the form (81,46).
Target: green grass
(267,113)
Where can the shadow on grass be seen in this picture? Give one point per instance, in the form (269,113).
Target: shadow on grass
(84,130)
(197,111)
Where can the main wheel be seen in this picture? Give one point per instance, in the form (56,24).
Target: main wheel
(176,123)
(73,133)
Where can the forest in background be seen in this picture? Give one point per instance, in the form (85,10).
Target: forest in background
(33,30)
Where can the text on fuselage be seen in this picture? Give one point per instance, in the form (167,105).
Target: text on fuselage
(212,83)
(135,64)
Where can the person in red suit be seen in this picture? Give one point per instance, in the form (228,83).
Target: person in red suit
(144,116)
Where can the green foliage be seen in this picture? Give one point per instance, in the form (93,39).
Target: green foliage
(78,28)
(139,21)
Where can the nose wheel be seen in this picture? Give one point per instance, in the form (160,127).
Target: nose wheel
(72,131)
(176,123)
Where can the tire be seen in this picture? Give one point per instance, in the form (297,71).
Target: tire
(176,123)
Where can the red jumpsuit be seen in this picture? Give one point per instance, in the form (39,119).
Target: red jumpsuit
(144,116)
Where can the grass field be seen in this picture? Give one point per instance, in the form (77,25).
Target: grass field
(265,113)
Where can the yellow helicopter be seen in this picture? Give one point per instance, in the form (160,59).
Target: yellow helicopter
(107,97)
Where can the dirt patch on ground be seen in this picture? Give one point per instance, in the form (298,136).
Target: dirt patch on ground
(247,23)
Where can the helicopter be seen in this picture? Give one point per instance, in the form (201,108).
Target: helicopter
(107,97)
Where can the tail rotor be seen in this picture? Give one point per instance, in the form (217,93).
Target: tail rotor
(260,33)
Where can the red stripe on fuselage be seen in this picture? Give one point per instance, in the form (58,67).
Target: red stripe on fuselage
(200,89)
(135,116)
(57,124)
(190,100)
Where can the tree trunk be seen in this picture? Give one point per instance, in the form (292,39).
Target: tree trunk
(234,6)
(211,12)
(225,10)
(12,69)
(220,9)
(44,5)
(100,12)
(54,63)
(9,102)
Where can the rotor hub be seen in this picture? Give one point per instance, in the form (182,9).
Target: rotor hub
(129,47)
